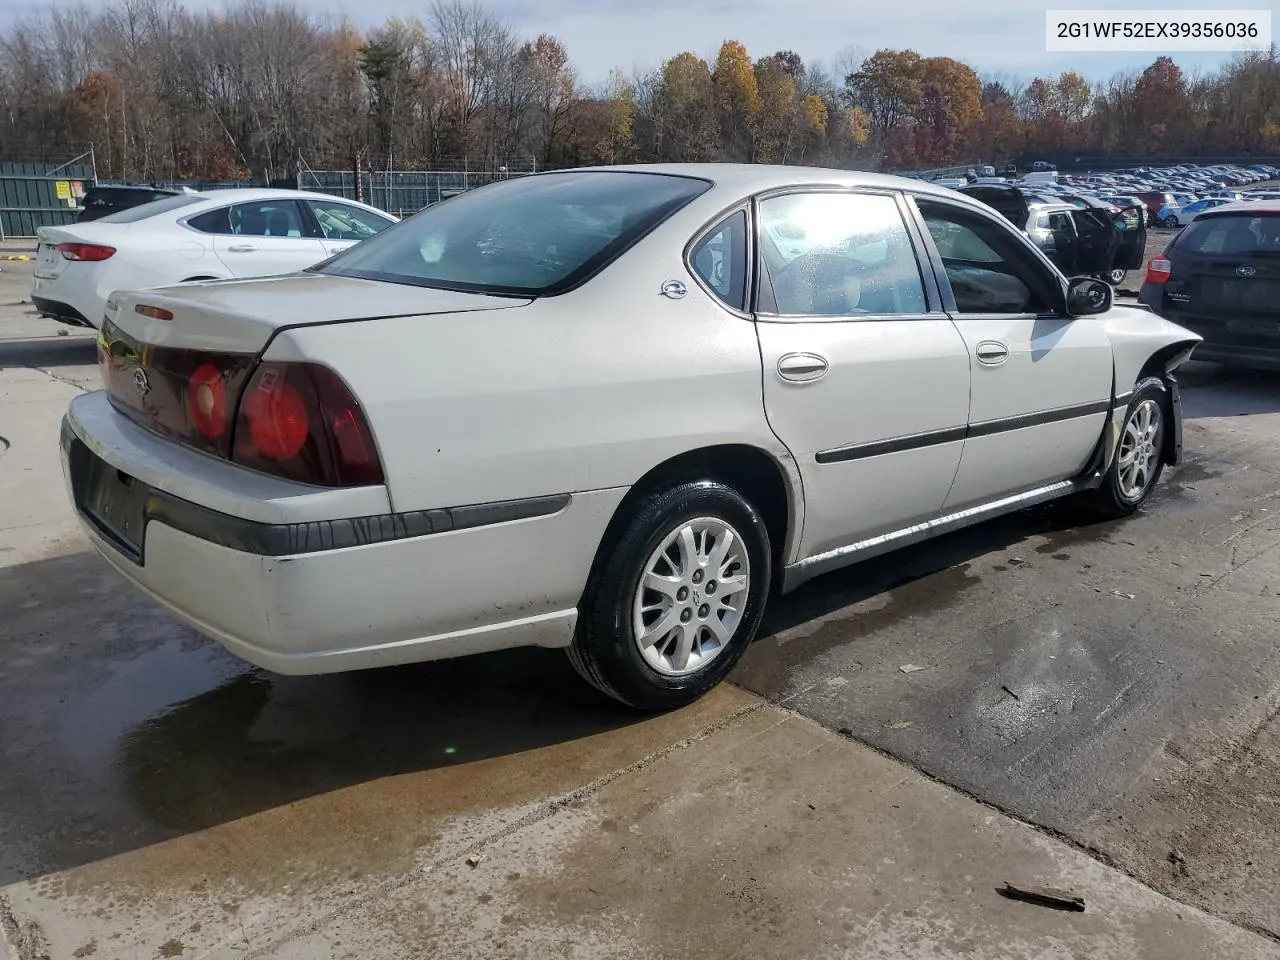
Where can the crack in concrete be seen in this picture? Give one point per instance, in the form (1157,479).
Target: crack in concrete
(61,379)
(1095,853)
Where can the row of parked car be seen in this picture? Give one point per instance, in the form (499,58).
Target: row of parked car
(1097,224)
(1174,196)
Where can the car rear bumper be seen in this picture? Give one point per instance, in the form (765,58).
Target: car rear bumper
(62,312)
(1216,345)
(320,596)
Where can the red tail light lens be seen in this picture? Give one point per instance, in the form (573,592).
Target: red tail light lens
(1159,270)
(277,417)
(300,421)
(85,251)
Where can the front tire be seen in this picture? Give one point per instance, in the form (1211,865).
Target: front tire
(1116,277)
(1139,460)
(676,600)
(1171,222)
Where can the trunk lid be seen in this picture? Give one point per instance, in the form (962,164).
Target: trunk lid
(157,347)
(92,232)
(241,315)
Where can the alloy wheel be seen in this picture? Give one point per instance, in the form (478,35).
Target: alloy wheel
(691,596)
(1140,449)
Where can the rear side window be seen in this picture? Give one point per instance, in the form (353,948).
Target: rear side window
(839,255)
(215,221)
(1236,235)
(720,259)
(529,236)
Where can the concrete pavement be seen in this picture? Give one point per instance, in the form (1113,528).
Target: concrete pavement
(160,799)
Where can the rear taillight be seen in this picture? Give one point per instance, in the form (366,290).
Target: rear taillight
(1159,270)
(300,421)
(85,251)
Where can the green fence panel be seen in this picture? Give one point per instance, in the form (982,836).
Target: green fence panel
(29,195)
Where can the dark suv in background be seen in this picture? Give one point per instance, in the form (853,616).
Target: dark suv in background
(1220,277)
(1105,241)
(103,200)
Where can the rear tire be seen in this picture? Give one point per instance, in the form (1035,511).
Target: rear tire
(1172,222)
(1139,460)
(1116,277)
(676,599)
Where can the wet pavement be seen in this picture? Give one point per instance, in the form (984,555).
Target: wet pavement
(1073,673)
(1115,684)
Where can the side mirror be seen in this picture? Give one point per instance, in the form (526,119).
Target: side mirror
(1087,297)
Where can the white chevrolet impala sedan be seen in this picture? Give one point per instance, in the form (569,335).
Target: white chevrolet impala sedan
(612,410)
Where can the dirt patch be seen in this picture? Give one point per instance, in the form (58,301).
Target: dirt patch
(1207,832)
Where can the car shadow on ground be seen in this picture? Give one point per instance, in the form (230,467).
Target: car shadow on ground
(72,350)
(123,728)
(1214,390)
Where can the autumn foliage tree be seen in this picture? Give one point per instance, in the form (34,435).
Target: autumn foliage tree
(1160,106)
(264,88)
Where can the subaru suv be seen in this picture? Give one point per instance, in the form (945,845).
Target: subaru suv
(1220,277)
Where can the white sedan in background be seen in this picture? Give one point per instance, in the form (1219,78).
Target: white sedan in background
(217,235)
(604,410)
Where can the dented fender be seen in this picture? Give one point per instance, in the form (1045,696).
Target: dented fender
(1139,335)
(1143,343)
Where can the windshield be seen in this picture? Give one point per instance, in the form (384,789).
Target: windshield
(531,236)
(134,214)
(1235,235)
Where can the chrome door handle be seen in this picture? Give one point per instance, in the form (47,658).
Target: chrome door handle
(992,352)
(802,367)
(242,248)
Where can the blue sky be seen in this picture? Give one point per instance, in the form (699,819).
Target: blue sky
(991,35)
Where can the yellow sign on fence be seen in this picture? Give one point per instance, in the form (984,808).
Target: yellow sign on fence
(63,187)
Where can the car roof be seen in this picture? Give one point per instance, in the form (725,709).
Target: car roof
(748,178)
(1268,207)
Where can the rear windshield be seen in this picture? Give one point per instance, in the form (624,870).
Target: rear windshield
(134,214)
(528,236)
(1235,234)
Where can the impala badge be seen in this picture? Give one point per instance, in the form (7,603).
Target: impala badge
(141,382)
(673,289)
(1246,271)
